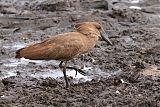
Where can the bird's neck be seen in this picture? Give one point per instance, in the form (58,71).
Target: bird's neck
(91,35)
(90,40)
(88,31)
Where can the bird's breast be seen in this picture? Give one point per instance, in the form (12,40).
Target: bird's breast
(89,43)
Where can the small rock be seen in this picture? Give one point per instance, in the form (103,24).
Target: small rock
(122,81)
(2,96)
(95,4)
(9,10)
(1,86)
(50,82)
(117,92)
(53,5)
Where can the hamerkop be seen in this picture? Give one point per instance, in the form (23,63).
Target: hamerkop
(66,46)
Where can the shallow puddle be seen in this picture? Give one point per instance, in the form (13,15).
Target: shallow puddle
(135,4)
(23,61)
(92,73)
(140,4)
(14,46)
(55,73)
(6,74)
(135,1)
(11,65)
(135,7)
(58,74)
(14,63)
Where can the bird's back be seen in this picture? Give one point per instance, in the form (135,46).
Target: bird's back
(60,47)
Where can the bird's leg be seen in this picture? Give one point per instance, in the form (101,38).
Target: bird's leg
(64,73)
(76,69)
(60,65)
(82,59)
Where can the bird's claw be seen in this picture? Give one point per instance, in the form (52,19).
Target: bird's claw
(78,70)
(82,72)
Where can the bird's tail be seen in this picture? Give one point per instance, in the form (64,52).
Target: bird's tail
(18,55)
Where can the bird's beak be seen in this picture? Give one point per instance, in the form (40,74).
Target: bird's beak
(105,37)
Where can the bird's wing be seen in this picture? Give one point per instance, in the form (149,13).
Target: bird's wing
(58,48)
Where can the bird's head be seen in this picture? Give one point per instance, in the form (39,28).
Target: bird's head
(87,28)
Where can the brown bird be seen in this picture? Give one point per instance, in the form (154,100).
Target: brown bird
(66,46)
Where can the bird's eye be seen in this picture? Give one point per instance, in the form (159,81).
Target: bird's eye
(99,27)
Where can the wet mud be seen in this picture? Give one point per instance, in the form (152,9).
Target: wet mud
(122,75)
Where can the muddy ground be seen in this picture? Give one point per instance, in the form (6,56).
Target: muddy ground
(125,74)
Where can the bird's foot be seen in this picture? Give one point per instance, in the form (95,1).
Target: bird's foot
(77,70)
(67,86)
